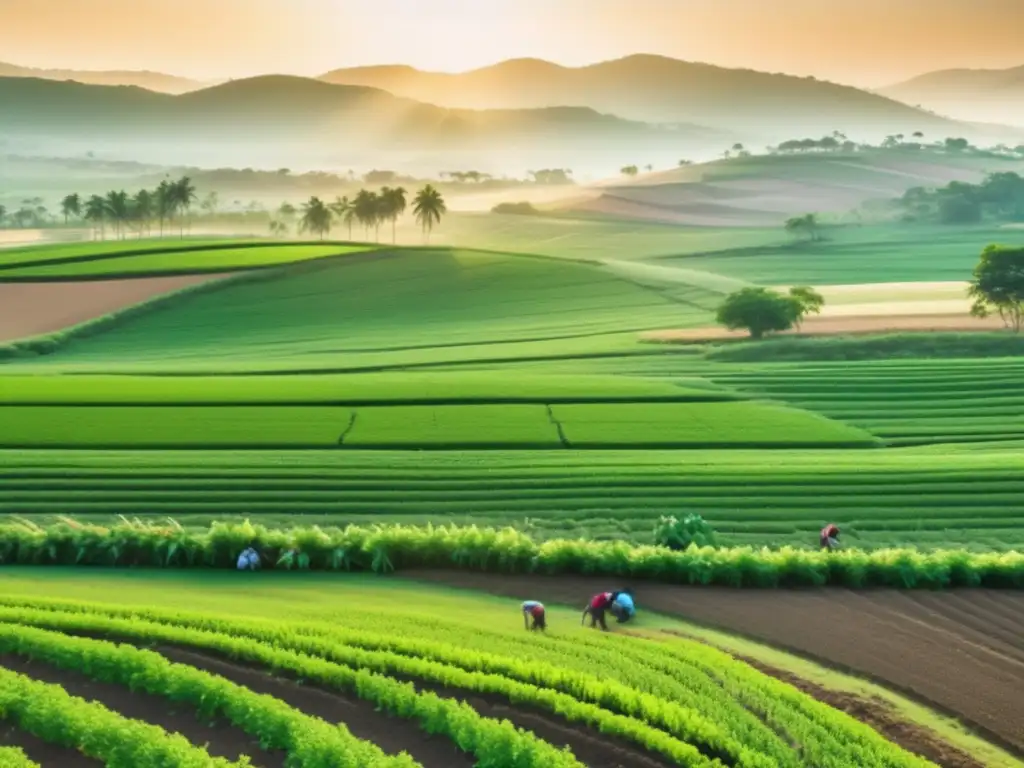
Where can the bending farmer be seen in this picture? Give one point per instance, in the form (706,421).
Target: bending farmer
(249,560)
(533,609)
(622,606)
(830,537)
(596,609)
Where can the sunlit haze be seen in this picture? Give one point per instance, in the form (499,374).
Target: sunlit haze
(868,43)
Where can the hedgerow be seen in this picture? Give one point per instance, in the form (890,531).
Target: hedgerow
(385,549)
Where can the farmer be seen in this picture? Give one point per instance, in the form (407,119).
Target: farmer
(596,608)
(830,537)
(622,606)
(249,560)
(533,609)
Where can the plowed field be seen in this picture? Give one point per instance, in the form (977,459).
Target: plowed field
(959,652)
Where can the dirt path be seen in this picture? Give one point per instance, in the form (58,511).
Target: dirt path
(220,739)
(30,309)
(960,652)
(854,324)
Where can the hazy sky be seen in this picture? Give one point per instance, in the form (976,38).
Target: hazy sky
(865,42)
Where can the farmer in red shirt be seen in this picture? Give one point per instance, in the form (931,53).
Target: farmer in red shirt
(830,537)
(597,607)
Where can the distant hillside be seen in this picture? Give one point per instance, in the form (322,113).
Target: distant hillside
(299,112)
(153,81)
(980,95)
(766,190)
(658,89)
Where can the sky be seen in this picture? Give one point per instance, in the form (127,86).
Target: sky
(868,43)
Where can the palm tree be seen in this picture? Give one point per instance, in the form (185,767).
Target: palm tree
(316,217)
(345,212)
(96,212)
(183,193)
(366,209)
(142,208)
(71,206)
(118,210)
(163,203)
(429,207)
(393,205)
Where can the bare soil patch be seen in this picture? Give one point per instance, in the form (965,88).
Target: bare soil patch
(220,739)
(31,309)
(842,325)
(960,652)
(392,734)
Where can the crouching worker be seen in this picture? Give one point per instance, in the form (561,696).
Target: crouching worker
(622,606)
(830,537)
(534,610)
(249,560)
(596,609)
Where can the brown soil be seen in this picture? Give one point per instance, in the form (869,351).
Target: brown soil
(220,739)
(593,748)
(30,309)
(391,734)
(46,755)
(832,326)
(881,716)
(959,652)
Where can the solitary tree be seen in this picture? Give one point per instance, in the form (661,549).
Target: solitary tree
(316,217)
(804,225)
(629,170)
(998,285)
(760,311)
(429,207)
(70,206)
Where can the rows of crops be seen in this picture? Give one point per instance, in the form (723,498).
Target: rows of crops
(881,498)
(421,666)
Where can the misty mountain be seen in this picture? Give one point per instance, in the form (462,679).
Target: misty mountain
(986,95)
(659,89)
(154,81)
(279,112)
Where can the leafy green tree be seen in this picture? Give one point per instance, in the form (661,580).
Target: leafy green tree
(957,145)
(70,206)
(183,194)
(998,285)
(804,225)
(759,311)
(428,207)
(807,301)
(629,170)
(278,228)
(316,217)
(679,535)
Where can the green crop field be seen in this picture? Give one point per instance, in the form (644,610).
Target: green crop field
(857,254)
(100,249)
(253,256)
(372,654)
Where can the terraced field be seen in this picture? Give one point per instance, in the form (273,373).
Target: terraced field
(395,675)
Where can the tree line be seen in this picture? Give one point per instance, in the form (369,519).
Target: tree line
(368,209)
(1000,196)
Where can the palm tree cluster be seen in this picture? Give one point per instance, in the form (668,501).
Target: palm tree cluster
(170,201)
(367,209)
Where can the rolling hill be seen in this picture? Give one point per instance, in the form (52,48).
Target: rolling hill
(990,95)
(153,81)
(764,190)
(278,112)
(658,89)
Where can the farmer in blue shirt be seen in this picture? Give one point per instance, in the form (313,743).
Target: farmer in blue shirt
(622,606)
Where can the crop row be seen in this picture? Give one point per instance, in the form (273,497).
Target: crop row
(387,548)
(48,712)
(694,424)
(707,717)
(12,757)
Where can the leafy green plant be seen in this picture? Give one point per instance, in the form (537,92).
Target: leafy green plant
(679,534)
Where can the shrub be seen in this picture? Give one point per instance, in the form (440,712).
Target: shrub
(673,533)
